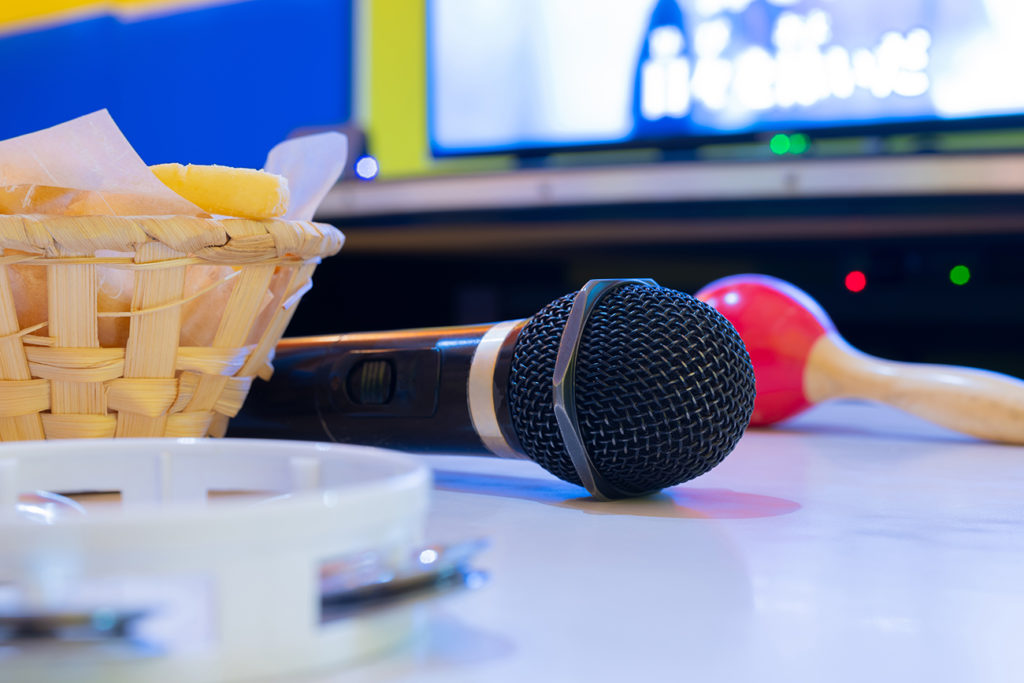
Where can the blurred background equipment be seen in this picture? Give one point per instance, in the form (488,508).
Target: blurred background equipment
(871,153)
(532,76)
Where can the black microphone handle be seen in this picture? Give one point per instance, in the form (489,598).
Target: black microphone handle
(403,389)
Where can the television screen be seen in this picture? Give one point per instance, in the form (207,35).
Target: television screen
(528,75)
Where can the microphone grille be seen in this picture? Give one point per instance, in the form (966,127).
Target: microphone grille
(664,388)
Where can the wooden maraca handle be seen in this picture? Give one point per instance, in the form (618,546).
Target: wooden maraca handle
(984,404)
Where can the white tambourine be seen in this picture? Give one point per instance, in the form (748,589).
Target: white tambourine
(208,559)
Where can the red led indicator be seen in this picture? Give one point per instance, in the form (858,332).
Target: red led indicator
(855,281)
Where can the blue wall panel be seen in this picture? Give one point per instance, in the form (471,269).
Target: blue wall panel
(220,84)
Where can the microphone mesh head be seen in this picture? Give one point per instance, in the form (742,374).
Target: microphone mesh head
(664,388)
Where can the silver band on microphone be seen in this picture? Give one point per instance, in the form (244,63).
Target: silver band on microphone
(563,390)
(480,390)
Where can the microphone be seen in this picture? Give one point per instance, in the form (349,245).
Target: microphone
(623,387)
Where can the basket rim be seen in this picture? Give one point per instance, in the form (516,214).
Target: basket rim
(214,239)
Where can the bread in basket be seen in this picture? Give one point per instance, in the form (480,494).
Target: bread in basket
(140,326)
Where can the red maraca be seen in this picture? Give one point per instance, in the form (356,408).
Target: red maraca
(800,359)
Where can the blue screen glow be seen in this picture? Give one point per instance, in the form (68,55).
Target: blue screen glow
(525,74)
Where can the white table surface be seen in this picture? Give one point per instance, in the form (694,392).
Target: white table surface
(853,544)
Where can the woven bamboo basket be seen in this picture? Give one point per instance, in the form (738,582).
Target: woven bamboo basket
(75,365)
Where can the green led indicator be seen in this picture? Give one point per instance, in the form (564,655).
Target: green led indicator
(779,144)
(799,143)
(960,275)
